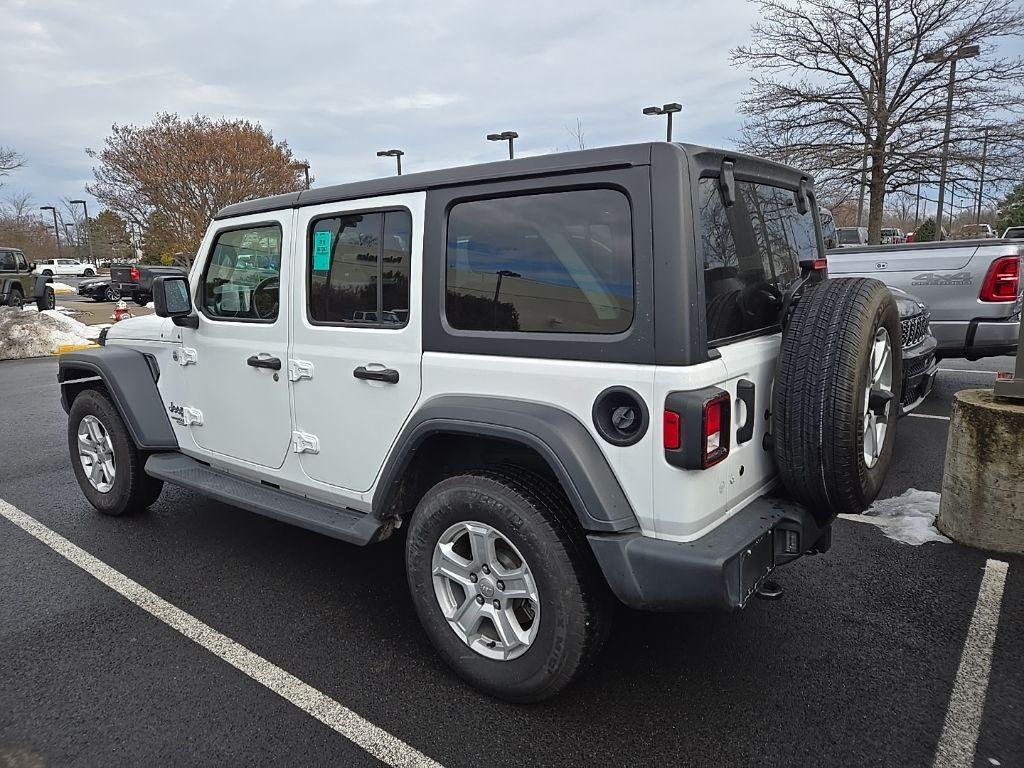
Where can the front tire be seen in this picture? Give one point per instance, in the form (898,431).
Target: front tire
(504,586)
(107,464)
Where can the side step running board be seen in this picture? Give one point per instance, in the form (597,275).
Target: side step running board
(339,523)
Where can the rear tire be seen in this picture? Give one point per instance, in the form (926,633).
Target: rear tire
(47,301)
(141,300)
(130,488)
(88,273)
(15,299)
(833,383)
(112,294)
(573,606)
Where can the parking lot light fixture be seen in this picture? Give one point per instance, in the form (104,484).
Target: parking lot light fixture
(56,229)
(508,136)
(395,153)
(665,109)
(939,57)
(88,229)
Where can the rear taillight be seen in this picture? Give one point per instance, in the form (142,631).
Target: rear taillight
(135,274)
(716,432)
(695,427)
(1002,283)
(672,438)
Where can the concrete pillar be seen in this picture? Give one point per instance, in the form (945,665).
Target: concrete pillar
(982,501)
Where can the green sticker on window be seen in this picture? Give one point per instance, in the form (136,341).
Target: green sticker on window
(321,251)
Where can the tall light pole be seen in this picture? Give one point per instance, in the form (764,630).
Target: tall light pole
(67,233)
(88,228)
(395,153)
(56,229)
(981,178)
(665,109)
(937,57)
(508,136)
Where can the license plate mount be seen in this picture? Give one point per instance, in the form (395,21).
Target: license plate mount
(756,561)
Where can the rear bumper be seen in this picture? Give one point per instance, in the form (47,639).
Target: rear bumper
(978,338)
(719,570)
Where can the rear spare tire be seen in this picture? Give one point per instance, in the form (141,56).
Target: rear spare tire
(837,395)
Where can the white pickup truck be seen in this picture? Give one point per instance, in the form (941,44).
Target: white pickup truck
(972,288)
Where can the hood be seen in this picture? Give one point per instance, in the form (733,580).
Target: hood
(147,328)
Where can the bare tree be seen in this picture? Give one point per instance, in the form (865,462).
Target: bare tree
(846,83)
(576,132)
(9,161)
(170,177)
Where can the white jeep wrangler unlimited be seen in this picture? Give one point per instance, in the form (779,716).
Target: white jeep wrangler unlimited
(615,373)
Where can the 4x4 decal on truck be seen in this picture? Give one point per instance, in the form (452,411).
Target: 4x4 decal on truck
(932,278)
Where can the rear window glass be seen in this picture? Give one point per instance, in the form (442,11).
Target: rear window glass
(849,237)
(558,262)
(752,254)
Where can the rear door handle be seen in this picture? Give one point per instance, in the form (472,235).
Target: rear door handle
(256,361)
(745,393)
(388,375)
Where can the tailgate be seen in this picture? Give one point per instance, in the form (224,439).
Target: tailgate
(120,274)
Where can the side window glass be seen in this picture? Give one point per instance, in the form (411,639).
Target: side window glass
(359,269)
(6,261)
(243,276)
(22,263)
(558,262)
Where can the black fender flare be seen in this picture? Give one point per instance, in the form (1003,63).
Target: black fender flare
(41,282)
(130,378)
(556,435)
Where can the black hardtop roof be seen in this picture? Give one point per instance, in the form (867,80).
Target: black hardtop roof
(541,165)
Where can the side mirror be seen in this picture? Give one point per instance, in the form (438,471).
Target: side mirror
(32,266)
(171,299)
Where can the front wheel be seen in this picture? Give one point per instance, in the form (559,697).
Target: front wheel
(47,273)
(504,586)
(107,464)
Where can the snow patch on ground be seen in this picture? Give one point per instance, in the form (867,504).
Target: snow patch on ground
(909,518)
(151,305)
(38,334)
(62,287)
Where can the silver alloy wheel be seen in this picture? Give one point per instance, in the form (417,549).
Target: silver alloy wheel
(96,453)
(485,590)
(878,396)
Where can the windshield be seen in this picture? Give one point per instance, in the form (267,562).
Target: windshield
(849,237)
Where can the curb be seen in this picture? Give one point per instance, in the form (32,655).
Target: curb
(64,348)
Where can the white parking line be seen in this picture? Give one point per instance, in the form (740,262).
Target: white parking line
(963,717)
(966,370)
(928,416)
(378,742)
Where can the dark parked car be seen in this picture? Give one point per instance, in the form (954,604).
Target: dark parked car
(99,289)
(136,280)
(919,363)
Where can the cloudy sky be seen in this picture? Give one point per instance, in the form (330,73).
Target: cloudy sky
(340,79)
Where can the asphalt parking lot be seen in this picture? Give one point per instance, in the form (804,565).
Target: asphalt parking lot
(857,664)
(88,311)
